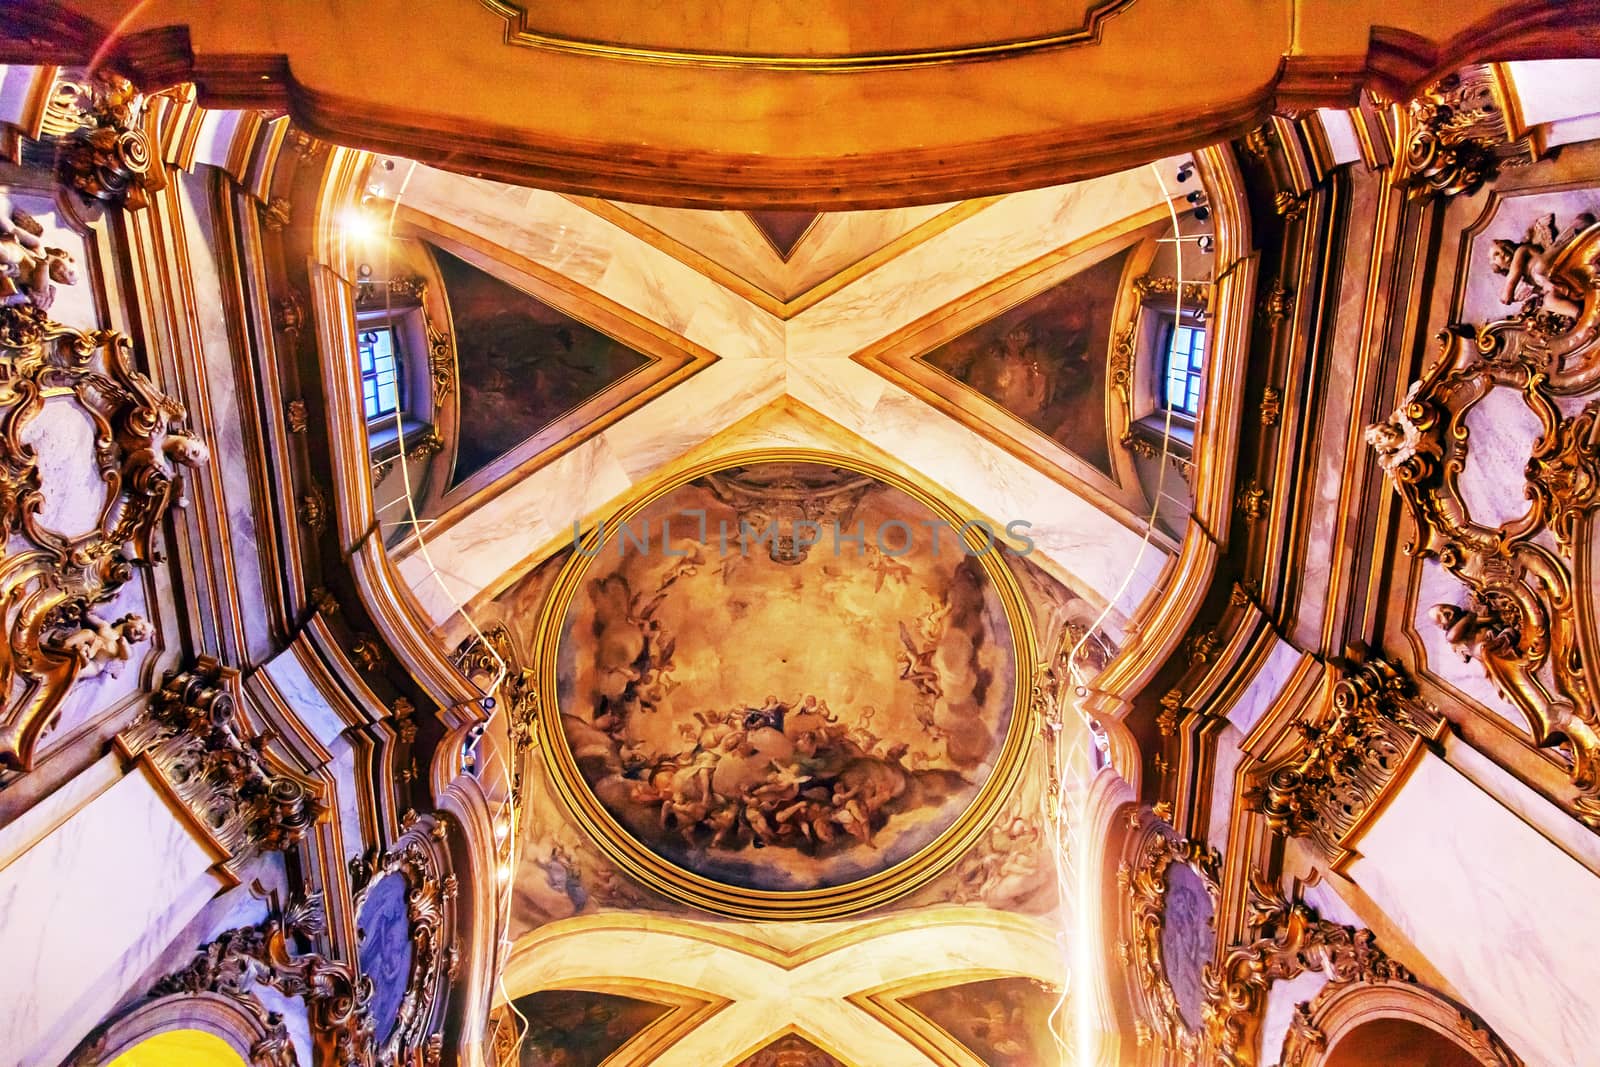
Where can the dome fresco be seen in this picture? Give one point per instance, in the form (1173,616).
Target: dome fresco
(779,716)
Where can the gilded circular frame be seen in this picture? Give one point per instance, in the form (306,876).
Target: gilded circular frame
(639,862)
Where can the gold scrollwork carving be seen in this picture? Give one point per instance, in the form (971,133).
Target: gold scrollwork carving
(1529,619)
(51,582)
(242,800)
(243,960)
(1284,938)
(419,858)
(1348,764)
(1146,881)
(1455,135)
(109,157)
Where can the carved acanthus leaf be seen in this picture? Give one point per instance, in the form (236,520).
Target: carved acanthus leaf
(1349,761)
(1455,135)
(243,960)
(191,738)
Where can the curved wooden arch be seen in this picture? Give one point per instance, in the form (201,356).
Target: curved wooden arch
(698,132)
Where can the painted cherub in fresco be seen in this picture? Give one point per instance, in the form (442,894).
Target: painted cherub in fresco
(1526,265)
(102,647)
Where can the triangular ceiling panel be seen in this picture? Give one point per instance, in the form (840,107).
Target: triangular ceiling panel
(1004,1022)
(790,1050)
(577,1028)
(785,229)
(522,363)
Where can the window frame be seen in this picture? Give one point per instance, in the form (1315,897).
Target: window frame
(397,357)
(1194,376)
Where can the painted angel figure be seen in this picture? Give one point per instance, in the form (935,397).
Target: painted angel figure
(27,265)
(102,647)
(1526,265)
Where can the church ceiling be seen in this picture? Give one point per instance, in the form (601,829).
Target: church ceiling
(795,721)
(522,364)
(985,270)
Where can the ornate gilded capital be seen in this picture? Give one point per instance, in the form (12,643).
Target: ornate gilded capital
(1348,762)
(1455,136)
(108,158)
(240,798)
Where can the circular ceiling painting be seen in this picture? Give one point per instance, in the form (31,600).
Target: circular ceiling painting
(785,685)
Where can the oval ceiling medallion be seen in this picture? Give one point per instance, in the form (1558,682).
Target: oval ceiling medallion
(787,684)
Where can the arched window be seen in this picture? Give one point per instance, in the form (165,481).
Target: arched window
(1185,355)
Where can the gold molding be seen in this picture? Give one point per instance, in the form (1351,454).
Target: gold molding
(517,32)
(1145,882)
(897,357)
(680,884)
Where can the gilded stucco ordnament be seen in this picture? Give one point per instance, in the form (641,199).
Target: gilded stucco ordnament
(1527,616)
(732,885)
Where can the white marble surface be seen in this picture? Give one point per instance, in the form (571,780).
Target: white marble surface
(222,422)
(1274,673)
(85,907)
(766,995)
(62,434)
(1500,432)
(288,675)
(1282,998)
(762,359)
(1511,921)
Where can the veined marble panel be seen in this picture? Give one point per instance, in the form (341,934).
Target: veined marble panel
(77,906)
(1507,917)
(224,422)
(1282,997)
(556,233)
(1007,235)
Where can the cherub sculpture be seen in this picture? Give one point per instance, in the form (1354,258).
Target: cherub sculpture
(102,647)
(1526,266)
(27,265)
(1474,634)
(1395,439)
